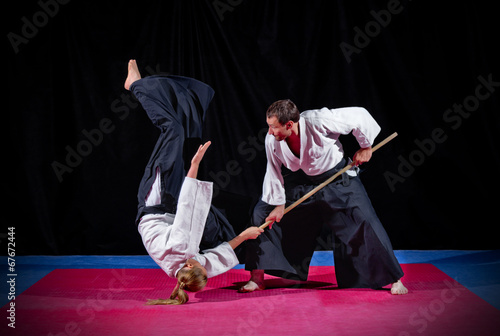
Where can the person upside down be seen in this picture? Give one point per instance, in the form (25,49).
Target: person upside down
(175,217)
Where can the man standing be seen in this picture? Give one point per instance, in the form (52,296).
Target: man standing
(303,150)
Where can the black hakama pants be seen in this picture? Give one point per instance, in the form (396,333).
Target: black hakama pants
(363,254)
(177,106)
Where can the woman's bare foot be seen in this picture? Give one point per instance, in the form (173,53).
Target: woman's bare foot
(133,74)
(398,288)
(256,282)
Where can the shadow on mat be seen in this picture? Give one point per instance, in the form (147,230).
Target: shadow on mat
(274,287)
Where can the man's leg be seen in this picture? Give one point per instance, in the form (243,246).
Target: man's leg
(363,254)
(286,249)
(264,253)
(256,282)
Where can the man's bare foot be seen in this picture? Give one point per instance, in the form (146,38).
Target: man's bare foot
(133,74)
(251,286)
(256,282)
(398,288)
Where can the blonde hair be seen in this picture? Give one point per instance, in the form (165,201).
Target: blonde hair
(193,280)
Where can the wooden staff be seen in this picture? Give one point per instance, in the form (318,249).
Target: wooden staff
(319,187)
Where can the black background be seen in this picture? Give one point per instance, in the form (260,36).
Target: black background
(65,80)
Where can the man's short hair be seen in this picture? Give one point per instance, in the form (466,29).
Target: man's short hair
(284,110)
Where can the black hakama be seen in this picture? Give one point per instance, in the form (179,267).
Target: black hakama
(177,106)
(363,254)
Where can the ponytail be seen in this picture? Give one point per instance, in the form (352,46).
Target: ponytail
(192,280)
(178,296)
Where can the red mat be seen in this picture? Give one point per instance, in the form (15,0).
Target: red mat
(111,302)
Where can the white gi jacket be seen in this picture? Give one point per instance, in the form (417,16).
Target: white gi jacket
(172,239)
(320,149)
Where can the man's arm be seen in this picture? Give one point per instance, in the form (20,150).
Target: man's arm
(362,155)
(275,215)
(359,122)
(273,191)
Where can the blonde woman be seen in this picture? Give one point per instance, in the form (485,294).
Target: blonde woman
(175,216)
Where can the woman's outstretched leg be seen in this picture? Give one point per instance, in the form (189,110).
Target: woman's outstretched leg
(133,74)
(171,101)
(176,105)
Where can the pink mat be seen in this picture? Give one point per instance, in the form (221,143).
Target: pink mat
(111,302)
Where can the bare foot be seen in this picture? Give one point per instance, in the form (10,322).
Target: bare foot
(251,286)
(133,74)
(256,282)
(398,288)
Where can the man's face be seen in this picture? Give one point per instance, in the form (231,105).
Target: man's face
(280,132)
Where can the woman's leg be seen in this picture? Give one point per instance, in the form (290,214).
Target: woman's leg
(176,105)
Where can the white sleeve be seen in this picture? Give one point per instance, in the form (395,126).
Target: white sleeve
(218,260)
(171,244)
(356,119)
(273,190)
(155,232)
(192,210)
